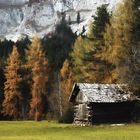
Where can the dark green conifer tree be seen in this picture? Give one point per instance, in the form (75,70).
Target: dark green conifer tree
(78,17)
(99,23)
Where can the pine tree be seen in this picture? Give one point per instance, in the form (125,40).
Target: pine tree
(12,94)
(78,17)
(38,64)
(69,20)
(59,46)
(99,23)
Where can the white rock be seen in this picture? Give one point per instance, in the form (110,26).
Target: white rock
(17,18)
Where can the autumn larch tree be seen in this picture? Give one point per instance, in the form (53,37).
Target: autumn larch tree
(123,42)
(2,80)
(66,83)
(82,57)
(38,64)
(12,94)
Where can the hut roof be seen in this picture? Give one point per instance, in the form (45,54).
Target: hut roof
(102,93)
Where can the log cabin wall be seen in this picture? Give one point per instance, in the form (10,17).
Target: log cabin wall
(96,113)
(112,112)
(82,114)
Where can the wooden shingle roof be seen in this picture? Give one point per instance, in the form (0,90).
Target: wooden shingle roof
(102,93)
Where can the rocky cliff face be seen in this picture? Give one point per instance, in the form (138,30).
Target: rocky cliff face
(25,17)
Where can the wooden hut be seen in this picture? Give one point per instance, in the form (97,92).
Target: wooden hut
(102,103)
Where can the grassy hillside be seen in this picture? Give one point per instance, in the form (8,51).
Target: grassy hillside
(53,131)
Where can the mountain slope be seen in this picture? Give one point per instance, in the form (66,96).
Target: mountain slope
(25,17)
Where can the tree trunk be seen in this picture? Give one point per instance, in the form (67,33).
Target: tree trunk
(60,96)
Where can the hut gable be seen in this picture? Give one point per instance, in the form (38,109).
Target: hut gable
(100,93)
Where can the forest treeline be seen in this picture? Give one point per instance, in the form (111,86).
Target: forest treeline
(37,75)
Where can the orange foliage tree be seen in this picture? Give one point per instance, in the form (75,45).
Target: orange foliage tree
(12,94)
(122,43)
(38,64)
(66,83)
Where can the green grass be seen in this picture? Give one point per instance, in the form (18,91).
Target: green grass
(28,130)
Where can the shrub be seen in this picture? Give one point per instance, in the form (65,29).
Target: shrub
(68,116)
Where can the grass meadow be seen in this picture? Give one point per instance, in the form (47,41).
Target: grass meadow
(28,130)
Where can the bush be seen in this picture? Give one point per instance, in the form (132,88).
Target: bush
(37,116)
(68,116)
